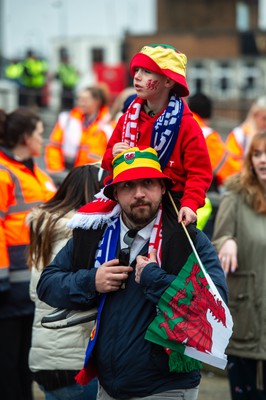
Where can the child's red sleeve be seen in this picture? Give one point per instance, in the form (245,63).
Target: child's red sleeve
(115,138)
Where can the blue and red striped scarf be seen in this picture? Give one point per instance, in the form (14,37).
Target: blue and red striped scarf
(165,130)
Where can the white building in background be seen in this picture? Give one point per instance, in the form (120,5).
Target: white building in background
(92,30)
(81,26)
(84,52)
(38,23)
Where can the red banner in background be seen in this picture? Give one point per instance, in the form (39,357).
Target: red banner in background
(114,76)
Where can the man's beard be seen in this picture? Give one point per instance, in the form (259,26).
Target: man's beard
(142,217)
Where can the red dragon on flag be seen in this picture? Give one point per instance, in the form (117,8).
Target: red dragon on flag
(192,319)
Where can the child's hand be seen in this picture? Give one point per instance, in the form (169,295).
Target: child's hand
(118,147)
(186,215)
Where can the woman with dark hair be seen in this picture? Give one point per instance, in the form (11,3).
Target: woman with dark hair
(239,236)
(23,185)
(56,356)
(80,135)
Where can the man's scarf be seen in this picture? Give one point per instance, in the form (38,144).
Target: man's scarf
(106,251)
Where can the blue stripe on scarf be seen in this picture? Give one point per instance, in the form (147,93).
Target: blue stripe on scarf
(166,129)
(106,252)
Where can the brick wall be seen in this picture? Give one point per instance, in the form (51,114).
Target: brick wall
(218,46)
(201,15)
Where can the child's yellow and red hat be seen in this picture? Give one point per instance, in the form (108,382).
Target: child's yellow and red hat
(165,60)
(134,163)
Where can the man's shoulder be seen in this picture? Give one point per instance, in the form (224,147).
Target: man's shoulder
(94,233)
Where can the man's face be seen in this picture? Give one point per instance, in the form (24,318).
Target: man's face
(139,199)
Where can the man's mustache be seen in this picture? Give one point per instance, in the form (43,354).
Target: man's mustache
(140,203)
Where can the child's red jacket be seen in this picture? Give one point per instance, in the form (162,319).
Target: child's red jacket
(189,166)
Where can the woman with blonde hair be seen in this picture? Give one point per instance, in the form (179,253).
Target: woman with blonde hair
(238,140)
(239,237)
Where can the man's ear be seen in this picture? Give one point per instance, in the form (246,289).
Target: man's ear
(115,193)
(163,187)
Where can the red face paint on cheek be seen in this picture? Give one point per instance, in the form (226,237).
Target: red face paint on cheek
(152,85)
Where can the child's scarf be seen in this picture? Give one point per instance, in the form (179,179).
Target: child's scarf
(165,130)
(106,252)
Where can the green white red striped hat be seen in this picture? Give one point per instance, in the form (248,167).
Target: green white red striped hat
(135,163)
(165,60)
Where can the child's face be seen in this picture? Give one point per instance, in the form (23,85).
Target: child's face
(148,84)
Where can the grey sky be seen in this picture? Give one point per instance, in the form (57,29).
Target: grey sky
(34,23)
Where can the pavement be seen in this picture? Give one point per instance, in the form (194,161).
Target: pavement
(214,386)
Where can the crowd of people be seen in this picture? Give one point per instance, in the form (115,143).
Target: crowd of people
(138,179)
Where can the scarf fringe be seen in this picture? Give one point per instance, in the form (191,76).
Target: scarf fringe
(82,378)
(94,220)
(86,375)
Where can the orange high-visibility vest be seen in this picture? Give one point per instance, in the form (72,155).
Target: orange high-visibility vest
(238,142)
(91,144)
(222,161)
(20,190)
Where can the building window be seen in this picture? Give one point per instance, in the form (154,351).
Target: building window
(97,55)
(242,16)
(262,15)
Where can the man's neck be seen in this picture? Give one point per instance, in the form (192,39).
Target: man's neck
(140,230)
(129,224)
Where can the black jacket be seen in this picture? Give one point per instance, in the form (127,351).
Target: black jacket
(128,365)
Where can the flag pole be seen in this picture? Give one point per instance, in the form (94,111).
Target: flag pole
(186,232)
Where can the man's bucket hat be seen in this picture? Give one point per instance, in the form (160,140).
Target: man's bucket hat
(133,164)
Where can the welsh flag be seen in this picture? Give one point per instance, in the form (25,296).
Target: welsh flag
(193,322)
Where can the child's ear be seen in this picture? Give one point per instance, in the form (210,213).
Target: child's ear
(169,83)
